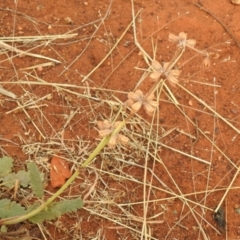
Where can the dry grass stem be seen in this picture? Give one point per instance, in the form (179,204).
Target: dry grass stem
(24,53)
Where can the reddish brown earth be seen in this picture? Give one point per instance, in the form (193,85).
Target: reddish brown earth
(65,122)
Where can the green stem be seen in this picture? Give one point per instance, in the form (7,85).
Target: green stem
(102,144)
(18,219)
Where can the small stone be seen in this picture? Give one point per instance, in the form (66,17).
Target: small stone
(40,69)
(234,111)
(127,44)
(49,97)
(68,20)
(85,3)
(39,7)
(236,206)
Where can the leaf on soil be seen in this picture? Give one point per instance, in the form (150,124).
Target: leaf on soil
(22,176)
(10,208)
(68,206)
(35,179)
(59,171)
(60,208)
(6,164)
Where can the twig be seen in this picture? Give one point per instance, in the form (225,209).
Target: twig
(107,55)
(225,194)
(20,52)
(79,55)
(7,93)
(185,154)
(27,39)
(210,109)
(220,22)
(31,121)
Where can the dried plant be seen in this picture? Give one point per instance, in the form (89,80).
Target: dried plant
(170,74)
(181,40)
(106,128)
(208,58)
(137,99)
(207,61)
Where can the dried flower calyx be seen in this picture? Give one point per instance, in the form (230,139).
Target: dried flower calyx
(106,128)
(136,100)
(170,74)
(208,58)
(181,40)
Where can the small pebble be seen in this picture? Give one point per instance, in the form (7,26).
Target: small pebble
(40,69)
(236,206)
(68,20)
(50,97)
(234,111)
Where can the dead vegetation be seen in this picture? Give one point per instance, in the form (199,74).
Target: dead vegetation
(166,172)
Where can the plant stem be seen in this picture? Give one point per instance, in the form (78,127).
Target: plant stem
(103,143)
(174,60)
(18,219)
(225,194)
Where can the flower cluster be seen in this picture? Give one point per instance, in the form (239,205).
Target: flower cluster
(182,40)
(170,74)
(136,100)
(106,128)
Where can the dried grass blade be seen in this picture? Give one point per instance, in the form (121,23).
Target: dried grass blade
(39,66)
(11,48)
(7,93)
(37,38)
(210,109)
(185,154)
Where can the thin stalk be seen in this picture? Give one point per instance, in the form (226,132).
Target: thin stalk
(225,194)
(174,60)
(18,219)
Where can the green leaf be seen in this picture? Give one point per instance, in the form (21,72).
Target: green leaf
(22,176)
(60,208)
(10,208)
(6,164)
(35,179)
(44,215)
(68,206)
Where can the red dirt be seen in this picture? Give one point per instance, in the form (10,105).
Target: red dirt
(117,73)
